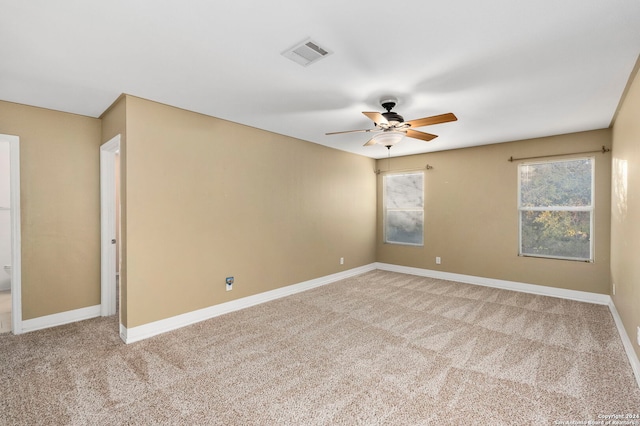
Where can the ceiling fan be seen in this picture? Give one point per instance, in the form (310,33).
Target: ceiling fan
(391,128)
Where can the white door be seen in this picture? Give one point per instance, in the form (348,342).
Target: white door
(108,216)
(14,212)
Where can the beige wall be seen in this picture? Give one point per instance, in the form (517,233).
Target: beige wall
(625,207)
(60,203)
(471,216)
(207,199)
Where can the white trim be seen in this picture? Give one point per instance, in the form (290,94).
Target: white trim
(123,333)
(557,209)
(16,233)
(626,342)
(134,334)
(580,296)
(61,318)
(108,226)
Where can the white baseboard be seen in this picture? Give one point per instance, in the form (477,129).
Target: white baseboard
(141,332)
(61,318)
(626,342)
(581,296)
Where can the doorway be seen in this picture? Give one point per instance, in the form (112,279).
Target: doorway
(10,260)
(109,221)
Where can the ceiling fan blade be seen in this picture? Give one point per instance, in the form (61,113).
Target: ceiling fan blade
(351,131)
(420,135)
(376,117)
(436,119)
(370,142)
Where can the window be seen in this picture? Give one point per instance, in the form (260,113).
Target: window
(556,209)
(404,208)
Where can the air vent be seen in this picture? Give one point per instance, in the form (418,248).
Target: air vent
(306,53)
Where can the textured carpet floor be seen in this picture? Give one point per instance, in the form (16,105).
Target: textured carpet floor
(379,348)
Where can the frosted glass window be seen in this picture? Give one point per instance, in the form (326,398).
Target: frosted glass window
(404,208)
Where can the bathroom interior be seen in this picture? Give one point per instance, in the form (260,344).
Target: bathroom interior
(5,239)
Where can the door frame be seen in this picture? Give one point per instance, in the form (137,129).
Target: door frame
(108,213)
(16,232)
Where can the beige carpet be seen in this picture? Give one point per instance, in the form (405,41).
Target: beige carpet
(379,348)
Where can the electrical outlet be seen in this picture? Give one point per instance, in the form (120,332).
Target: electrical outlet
(438,260)
(342,260)
(614,289)
(229,282)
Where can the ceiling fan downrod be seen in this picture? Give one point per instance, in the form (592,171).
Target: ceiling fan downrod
(388,105)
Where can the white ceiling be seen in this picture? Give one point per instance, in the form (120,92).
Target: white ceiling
(508,69)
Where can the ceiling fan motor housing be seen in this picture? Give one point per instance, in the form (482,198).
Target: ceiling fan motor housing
(392,116)
(388,104)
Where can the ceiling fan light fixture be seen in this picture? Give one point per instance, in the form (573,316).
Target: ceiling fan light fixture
(388,138)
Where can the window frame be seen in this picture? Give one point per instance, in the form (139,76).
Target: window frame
(590,209)
(385,210)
